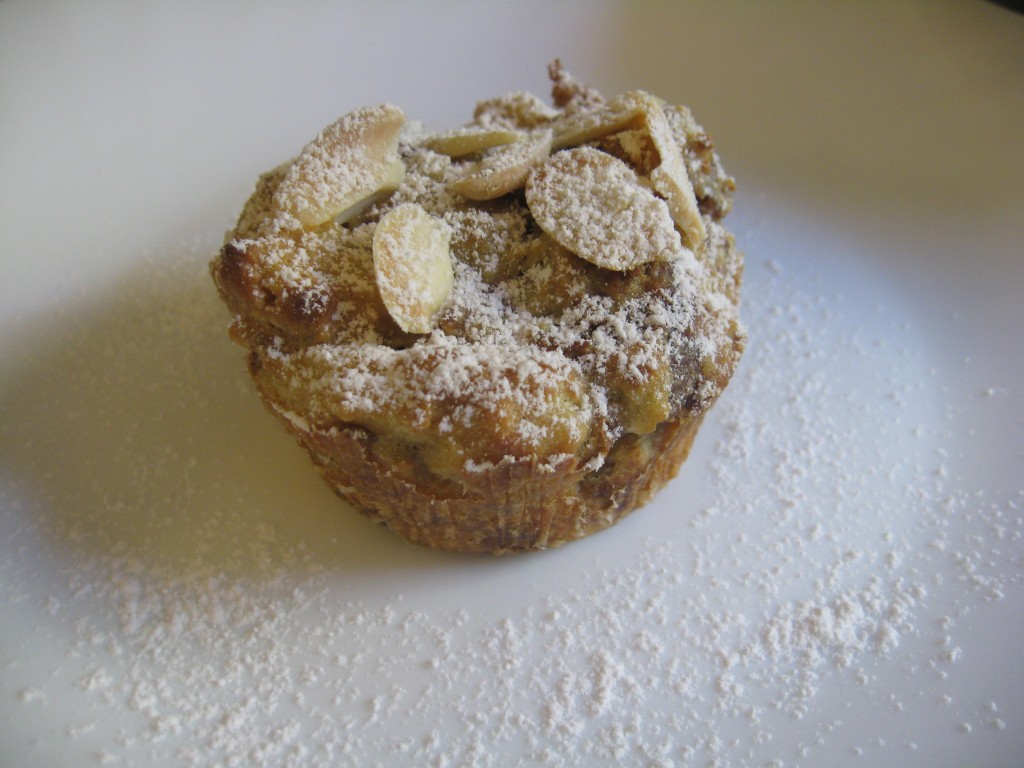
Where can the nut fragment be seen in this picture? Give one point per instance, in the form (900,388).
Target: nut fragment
(351,160)
(514,110)
(413,266)
(466,141)
(670,178)
(505,169)
(596,206)
(574,128)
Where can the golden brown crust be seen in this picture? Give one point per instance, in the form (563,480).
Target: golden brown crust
(516,505)
(499,338)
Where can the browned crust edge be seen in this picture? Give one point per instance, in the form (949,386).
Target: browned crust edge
(515,506)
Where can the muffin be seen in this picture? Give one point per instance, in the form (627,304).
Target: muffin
(501,337)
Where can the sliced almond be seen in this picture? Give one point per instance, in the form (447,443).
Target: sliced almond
(574,128)
(596,206)
(413,266)
(514,110)
(670,178)
(466,141)
(350,160)
(505,169)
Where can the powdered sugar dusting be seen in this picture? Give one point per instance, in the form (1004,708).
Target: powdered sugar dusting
(576,192)
(349,160)
(198,621)
(505,250)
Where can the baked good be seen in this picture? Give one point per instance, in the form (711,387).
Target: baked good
(501,337)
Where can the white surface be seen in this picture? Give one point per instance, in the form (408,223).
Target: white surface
(178,587)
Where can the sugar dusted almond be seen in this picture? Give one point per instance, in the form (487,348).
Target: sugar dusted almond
(413,266)
(514,110)
(670,178)
(505,169)
(351,160)
(596,206)
(574,128)
(466,141)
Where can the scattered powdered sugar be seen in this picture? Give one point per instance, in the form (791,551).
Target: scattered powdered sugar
(199,617)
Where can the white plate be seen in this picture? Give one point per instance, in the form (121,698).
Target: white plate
(836,577)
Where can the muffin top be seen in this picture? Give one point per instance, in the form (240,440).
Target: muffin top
(531,286)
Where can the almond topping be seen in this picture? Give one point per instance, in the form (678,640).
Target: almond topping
(413,266)
(466,141)
(351,160)
(574,128)
(505,169)
(596,206)
(514,110)
(670,178)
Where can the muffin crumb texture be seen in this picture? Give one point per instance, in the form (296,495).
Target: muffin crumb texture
(500,337)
